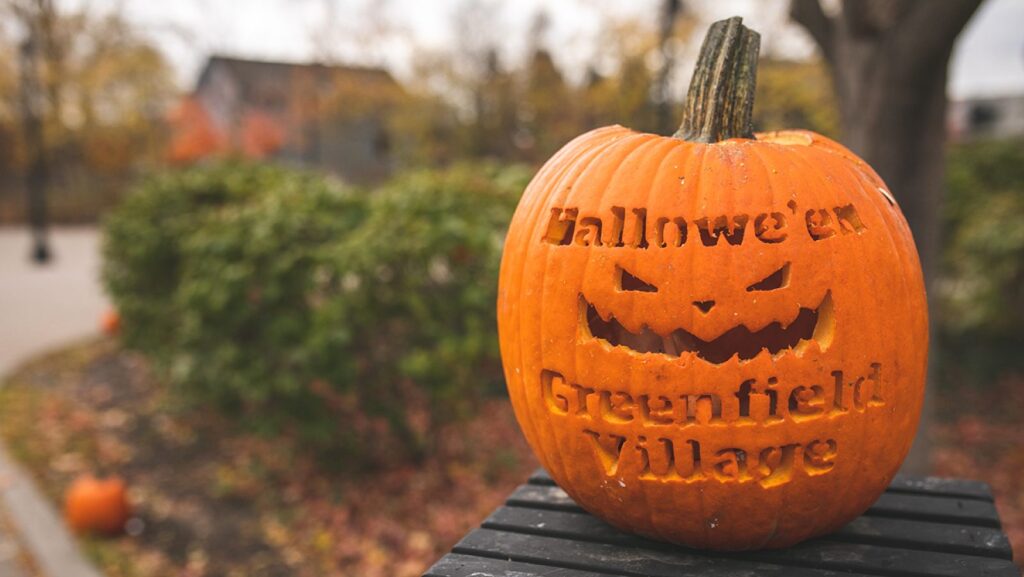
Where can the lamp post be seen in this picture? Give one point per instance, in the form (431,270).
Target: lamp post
(36,175)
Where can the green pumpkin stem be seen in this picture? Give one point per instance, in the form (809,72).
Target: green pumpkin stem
(720,102)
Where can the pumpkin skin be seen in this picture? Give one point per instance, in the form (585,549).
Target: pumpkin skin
(716,394)
(97,506)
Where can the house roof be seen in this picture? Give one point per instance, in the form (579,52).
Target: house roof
(251,74)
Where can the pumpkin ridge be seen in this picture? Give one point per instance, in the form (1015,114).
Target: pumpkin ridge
(906,251)
(815,169)
(638,141)
(543,188)
(575,171)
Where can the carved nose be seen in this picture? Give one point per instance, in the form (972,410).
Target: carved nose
(704,306)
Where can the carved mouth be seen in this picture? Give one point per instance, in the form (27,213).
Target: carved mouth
(810,325)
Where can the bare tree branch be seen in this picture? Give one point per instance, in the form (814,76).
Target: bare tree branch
(808,13)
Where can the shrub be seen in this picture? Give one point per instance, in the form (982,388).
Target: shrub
(411,328)
(981,292)
(144,241)
(247,295)
(983,280)
(363,320)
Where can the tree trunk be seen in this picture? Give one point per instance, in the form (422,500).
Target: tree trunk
(888,60)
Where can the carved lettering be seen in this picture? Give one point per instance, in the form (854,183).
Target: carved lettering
(754,402)
(875,378)
(618,224)
(662,227)
(637,232)
(668,459)
(806,402)
(658,438)
(556,401)
(819,224)
(771,227)
(848,219)
(731,228)
(617,407)
(588,232)
(608,448)
(775,464)
(560,226)
(819,456)
(633,227)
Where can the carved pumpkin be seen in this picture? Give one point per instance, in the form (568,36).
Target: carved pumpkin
(717,339)
(96,506)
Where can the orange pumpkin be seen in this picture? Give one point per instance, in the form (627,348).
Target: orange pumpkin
(717,338)
(97,506)
(110,322)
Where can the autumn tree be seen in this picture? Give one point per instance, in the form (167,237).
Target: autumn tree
(38,47)
(625,95)
(92,91)
(795,94)
(546,122)
(889,64)
(193,136)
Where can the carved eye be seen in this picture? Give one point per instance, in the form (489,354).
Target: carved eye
(776,280)
(629,282)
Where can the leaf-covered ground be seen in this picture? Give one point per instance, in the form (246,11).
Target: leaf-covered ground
(979,434)
(218,500)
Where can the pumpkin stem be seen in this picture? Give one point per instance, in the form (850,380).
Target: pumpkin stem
(720,101)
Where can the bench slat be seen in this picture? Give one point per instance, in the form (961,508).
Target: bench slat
(963,488)
(902,506)
(621,552)
(938,509)
(455,565)
(588,556)
(864,531)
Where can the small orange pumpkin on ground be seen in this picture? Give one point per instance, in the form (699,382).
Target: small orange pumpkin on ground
(716,338)
(110,322)
(98,506)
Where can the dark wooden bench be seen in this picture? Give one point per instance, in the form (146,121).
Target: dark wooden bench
(921,527)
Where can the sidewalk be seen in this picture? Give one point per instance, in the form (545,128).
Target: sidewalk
(45,307)
(42,308)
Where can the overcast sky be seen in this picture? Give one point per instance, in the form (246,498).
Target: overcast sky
(988,60)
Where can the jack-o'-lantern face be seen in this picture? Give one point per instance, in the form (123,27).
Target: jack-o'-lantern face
(793,333)
(733,331)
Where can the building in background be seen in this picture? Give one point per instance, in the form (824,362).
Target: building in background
(310,115)
(990,117)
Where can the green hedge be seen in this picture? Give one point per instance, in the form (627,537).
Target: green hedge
(359,318)
(983,281)
(981,292)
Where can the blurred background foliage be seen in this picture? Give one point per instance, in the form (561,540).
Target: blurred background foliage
(361,318)
(104,87)
(981,289)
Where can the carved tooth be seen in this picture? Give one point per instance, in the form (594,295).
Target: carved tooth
(801,347)
(683,341)
(669,345)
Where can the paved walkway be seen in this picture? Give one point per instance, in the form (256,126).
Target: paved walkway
(42,308)
(45,307)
